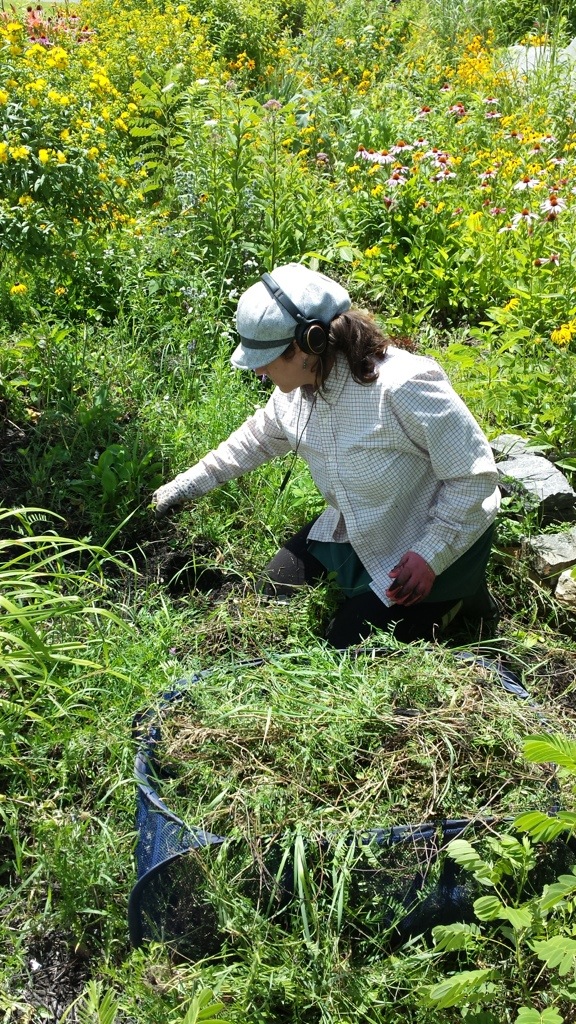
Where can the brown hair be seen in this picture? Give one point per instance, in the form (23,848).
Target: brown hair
(359,338)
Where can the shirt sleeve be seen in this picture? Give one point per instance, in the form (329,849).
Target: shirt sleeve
(438,422)
(259,439)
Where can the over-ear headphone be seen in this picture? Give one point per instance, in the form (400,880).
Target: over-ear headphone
(311,335)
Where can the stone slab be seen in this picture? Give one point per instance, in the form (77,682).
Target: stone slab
(551,553)
(565,591)
(540,478)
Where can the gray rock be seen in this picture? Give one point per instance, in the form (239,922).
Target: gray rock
(509,445)
(551,553)
(565,591)
(541,479)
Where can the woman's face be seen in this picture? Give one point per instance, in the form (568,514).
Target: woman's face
(291,373)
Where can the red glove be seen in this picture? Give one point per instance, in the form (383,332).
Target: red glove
(413,579)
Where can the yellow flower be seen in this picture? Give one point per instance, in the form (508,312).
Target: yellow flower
(3,152)
(60,290)
(93,153)
(60,156)
(474,221)
(375,250)
(564,334)
(511,304)
(57,58)
(35,51)
(3,96)
(43,156)
(19,152)
(18,289)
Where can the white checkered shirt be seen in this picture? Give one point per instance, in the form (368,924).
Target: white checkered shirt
(402,463)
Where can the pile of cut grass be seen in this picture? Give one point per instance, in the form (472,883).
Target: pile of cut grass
(342,744)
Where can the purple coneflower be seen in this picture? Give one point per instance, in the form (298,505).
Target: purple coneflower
(525,216)
(525,183)
(554,204)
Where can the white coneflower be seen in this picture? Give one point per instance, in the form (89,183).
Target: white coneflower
(444,174)
(554,204)
(383,157)
(525,183)
(525,216)
(396,178)
(400,147)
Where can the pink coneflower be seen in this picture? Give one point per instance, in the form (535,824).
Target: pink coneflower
(525,183)
(395,179)
(446,87)
(492,115)
(557,161)
(434,153)
(524,217)
(490,99)
(400,147)
(548,139)
(383,157)
(515,136)
(272,104)
(362,153)
(487,175)
(496,211)
(536,149)
(541,261)
(420,142)
(443,175)
(423,112)
(507,227)
(554,204)
(457,110)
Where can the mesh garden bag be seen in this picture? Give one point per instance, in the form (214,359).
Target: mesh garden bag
(392,880)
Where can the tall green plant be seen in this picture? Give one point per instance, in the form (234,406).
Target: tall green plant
(524,942)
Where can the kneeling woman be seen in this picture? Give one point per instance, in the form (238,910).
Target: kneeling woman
(408,477)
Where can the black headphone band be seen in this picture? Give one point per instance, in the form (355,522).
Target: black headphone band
(306,329)
(281,297)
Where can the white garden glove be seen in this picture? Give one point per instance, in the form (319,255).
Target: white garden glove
(173,494)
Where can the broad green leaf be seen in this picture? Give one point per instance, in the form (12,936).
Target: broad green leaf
(461,851)
(527,1015)
(488,908)
(559,891)
(519,917)
(203,1008)
(455,936)
(559,951)
(459,988)
(558,749)
(540,826)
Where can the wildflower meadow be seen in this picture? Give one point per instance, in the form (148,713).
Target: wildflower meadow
(155,159)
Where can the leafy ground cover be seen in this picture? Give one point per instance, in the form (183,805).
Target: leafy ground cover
(153,161)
